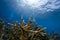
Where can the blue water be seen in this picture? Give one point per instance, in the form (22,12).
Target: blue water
(51,21)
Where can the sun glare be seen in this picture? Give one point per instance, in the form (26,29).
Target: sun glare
(34,3)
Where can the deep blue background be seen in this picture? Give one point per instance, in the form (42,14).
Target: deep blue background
(51,21)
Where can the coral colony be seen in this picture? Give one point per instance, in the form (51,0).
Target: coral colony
(22,31)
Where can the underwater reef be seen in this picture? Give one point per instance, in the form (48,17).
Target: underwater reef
(23,31)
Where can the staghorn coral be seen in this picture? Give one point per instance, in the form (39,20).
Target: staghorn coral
(23,31)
